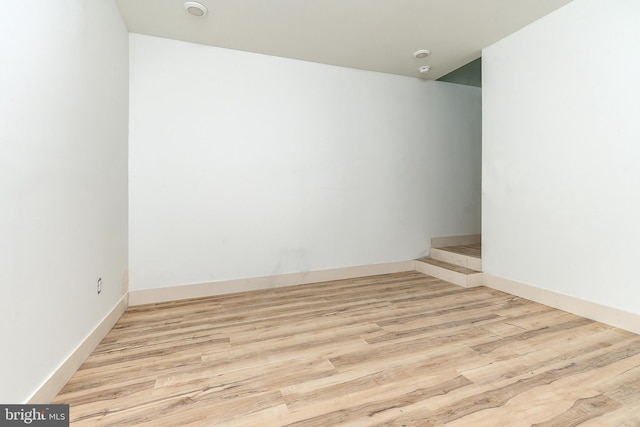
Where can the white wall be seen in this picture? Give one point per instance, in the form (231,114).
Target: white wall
(244,165)
(561,154)
(63,175)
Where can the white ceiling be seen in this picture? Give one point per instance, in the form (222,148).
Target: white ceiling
(376,35)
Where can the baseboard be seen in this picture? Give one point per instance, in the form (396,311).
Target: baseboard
(174,293)
(52,386)
(601,313)
(443,242)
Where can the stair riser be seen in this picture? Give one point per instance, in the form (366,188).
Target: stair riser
(441,242)
(460,279)
(457,259)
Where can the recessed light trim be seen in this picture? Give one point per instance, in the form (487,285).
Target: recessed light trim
(422,53)
(195,9)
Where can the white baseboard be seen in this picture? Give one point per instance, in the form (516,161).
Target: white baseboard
(174,293)
(52,386)
(443,242)
(601,313)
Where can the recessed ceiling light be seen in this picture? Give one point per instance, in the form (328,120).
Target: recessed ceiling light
(424,69)
(195,9)
(422,53)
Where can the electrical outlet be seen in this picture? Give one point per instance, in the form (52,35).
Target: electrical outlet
(99,285)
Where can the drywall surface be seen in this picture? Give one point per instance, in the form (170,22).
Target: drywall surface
(63,181)
(561,146)
(244,165)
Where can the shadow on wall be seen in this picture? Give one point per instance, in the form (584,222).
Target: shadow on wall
(469,74)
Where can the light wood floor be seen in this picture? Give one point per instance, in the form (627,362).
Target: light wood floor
(395,350)
(473,249)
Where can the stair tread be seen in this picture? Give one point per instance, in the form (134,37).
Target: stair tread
(473,250)
(448,266)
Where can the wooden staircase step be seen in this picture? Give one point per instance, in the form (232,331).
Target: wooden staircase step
(473,250)
(447,265)
(464,256)
(456,274)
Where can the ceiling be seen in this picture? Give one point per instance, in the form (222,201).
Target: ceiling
(375,35)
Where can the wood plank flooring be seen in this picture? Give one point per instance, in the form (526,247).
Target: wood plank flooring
(472,249)
(393,350)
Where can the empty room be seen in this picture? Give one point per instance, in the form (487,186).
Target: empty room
(319,213)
